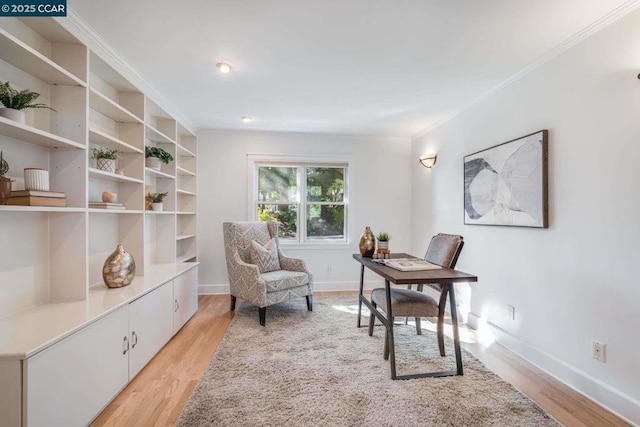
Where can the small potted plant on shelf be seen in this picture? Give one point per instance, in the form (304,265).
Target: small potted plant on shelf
(105,158)
(156,200)
(15,102)
(5,183)
(155,156)
(383,243)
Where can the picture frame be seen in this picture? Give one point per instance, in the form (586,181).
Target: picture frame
(507,184)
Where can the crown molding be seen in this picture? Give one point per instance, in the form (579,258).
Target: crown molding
(85,33)
(578,37)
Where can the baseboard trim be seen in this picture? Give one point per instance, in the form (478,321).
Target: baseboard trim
(223,288)
(611,399)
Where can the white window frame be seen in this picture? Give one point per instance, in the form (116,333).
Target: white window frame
(256,160)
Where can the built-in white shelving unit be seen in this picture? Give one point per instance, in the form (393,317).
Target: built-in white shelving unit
(52,257)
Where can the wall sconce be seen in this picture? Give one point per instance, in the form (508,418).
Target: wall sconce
(428,161)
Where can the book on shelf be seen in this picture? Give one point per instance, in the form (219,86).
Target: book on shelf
(106,205)
(408,264)
(35,193)
(37,201)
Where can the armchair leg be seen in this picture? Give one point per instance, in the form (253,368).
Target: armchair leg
(310,302)
(418,326)
(233,302)
(372,320)
(263,314)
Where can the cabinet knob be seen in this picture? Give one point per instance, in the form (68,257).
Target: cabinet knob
(125,345)
(134,339)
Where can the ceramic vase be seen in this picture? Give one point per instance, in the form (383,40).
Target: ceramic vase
(18,116)
(153,163)
(5,191)
(367,243)
(107,165)
(157,207)
(119,269)
(36,179)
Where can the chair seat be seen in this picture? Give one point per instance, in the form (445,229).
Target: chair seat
(406,302)
(283,279)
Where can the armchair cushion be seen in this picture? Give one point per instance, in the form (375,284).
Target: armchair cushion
(265,257)
(282,279)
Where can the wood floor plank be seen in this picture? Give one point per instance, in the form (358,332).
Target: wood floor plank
(158,394)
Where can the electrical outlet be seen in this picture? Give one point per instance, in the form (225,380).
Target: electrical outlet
(597,350)
(511,312)
(329,269)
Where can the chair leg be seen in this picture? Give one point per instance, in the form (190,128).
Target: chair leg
(418,326)
(372,320)
(309,302)
(233,302)
(406,319)
(263,314)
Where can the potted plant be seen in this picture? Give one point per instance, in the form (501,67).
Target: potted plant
(15,102)
(105,158)
(155,156)
(5,183)
(156,200)
(383,242)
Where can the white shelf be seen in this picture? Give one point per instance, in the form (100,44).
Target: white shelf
(99,137)
(26,58)
(114,211)
(110,108)
(15,208)
(183,152)
(36,136)
(185,258)
(184,172)
(160,212)
(185,213)
(185,192)
(185,236)
(108,176)
(158,174)
(155,135)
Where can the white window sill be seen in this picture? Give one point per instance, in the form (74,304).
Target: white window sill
(319,246)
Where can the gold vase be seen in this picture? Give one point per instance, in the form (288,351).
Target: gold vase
(367,243)
(119,269)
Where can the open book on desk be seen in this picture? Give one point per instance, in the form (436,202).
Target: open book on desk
(407,264)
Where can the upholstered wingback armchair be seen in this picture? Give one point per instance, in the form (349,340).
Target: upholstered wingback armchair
(258,271)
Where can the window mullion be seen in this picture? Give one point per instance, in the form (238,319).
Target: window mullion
(302,197)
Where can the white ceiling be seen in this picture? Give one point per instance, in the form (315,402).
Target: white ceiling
(385,67)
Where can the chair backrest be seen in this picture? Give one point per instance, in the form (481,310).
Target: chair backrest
(238,236)
(444,250)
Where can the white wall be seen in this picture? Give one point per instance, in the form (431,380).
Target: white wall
(576,281)
(379,197)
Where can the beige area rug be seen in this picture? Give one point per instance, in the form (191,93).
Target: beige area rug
(317,369)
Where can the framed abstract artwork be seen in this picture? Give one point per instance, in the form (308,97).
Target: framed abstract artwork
(507,184)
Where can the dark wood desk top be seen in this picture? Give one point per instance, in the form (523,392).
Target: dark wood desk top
(443,275)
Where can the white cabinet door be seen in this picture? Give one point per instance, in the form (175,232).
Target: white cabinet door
(185,292)
(69,383)
(150,324)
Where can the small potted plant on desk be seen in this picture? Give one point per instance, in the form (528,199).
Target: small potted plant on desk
(156,201)
(155,156)
(15,102)
(105,158)
(5,183)
(383,244)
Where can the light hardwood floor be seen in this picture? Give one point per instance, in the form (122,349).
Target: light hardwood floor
(158,394)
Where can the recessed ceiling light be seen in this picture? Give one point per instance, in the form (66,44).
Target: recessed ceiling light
(247,119)
(224,67)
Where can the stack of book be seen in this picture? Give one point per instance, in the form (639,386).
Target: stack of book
(37,198)
(105,205)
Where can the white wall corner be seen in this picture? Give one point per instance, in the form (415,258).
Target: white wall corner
(611,399)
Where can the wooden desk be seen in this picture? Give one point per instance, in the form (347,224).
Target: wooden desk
(445,276)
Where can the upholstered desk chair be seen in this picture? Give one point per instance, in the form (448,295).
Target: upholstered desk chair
(443,250)
(258,271)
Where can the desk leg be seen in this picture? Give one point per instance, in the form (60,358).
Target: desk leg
(392,348)
(360,295)
(454,324)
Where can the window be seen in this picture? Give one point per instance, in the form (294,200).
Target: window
(308,200)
